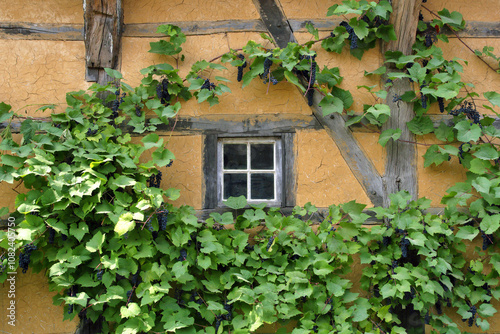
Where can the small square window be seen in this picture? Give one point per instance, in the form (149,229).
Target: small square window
(250,167)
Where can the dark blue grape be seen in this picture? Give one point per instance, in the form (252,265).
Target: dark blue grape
(404,247)
(138,111)
(24,257)
(441,104)
(52,234)
(229,309)
(427,318)
(267,65)
(183,255)
(99,274)
(310,95)
(269,243)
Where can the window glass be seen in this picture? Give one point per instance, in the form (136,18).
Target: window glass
(235,185)
(262,186)
(262,156)
(235,156)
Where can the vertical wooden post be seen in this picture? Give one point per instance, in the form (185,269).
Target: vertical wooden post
(103,28)
(401,163)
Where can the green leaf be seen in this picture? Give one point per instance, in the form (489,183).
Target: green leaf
(379,71)
(130,311)
(378,114)
(393,134)
(467,131)
(95,244)
(164,48)
(236,202)
(421,125)
(313,31)
(493,97)
(433,155)
(152,140)
(292,78)
(467,232)
(331,104)
(490,224)
(486,152)
(113,73)
(125,223)
(453,19)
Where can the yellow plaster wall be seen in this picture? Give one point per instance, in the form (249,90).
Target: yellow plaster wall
(149,11)
(40,72)
(256,98)
(46,11)
(480,10)
(311,9)
(35,312)
(323,177)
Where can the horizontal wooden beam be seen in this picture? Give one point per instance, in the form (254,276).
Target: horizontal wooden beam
(195,27)
(74,32)
(41,31)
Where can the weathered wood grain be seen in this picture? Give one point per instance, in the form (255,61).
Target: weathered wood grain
(102,34)
(275,22)
(41,31)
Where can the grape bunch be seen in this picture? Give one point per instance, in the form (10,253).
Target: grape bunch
(469,110)
(208,85)
(427,318)
(267,66)
(404,247)
(2,266)
(310,96)
(269,243)
(386,241)
(115,105)
(155,180)
(423,97)
(487,240)
(240,68)
(24,257)
(52,234)
(471,320)
(441,104)
(183,255)
(229,309)
(99,274)
(352,35)
(138,111)
(218,227)
(439,308)
(162,220)
(162,92)
(218,321)
(149,226)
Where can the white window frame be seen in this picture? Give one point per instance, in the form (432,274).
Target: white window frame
(277,171)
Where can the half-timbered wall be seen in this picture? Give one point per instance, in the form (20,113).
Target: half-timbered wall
(45,53)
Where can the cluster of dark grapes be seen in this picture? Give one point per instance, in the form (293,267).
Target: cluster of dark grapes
(99,274)
(155,180)
(377,21)
(386,241)
(461,152)
(423,97)
(208,85)
(115,105)
(249,248)
(91,132)
(269,243)
(427,317)
(24,257)
(71,293)
(2,267)
(267,66)
(420,16)
(218,321)
(472,319)
(404,247)
(396,98)
(487,240)
(315,328)
(162,220)
(229,308)
(439,308)
(218,227)
(162,92)
(486,287)
(469,110)
(310,96)
(352,35)
(441,104)
(149,226)
(52,234)
(138,111)
(332,229)
(240,68)
(129,295)
(183,255)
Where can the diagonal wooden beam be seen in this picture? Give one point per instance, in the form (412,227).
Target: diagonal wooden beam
(361,166)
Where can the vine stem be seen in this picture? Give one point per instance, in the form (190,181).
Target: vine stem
(460,39)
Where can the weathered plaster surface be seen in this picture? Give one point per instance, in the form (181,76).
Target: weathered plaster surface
(311,9)
(433,181)
(373,150)
(40,72)
(35,312)
(323,177)
(148,11)
(46,11)
(256,98)
(480,10)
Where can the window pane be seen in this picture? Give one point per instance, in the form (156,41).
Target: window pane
(262,186)
(235,185)
(235,156)
(262,156)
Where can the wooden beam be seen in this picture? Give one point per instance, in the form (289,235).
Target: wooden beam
(195,27)
(41,31)
(102,34)
(275,21)
(74,31)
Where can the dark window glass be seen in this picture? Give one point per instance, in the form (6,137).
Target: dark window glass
(235,156)
(262,156)
(262,186)
(235,185)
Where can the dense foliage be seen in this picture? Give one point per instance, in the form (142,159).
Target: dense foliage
(96,217)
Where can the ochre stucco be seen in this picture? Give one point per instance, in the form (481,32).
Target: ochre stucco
(150,11)
(46,11)
(40,72)
(323,177)
(35,312)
